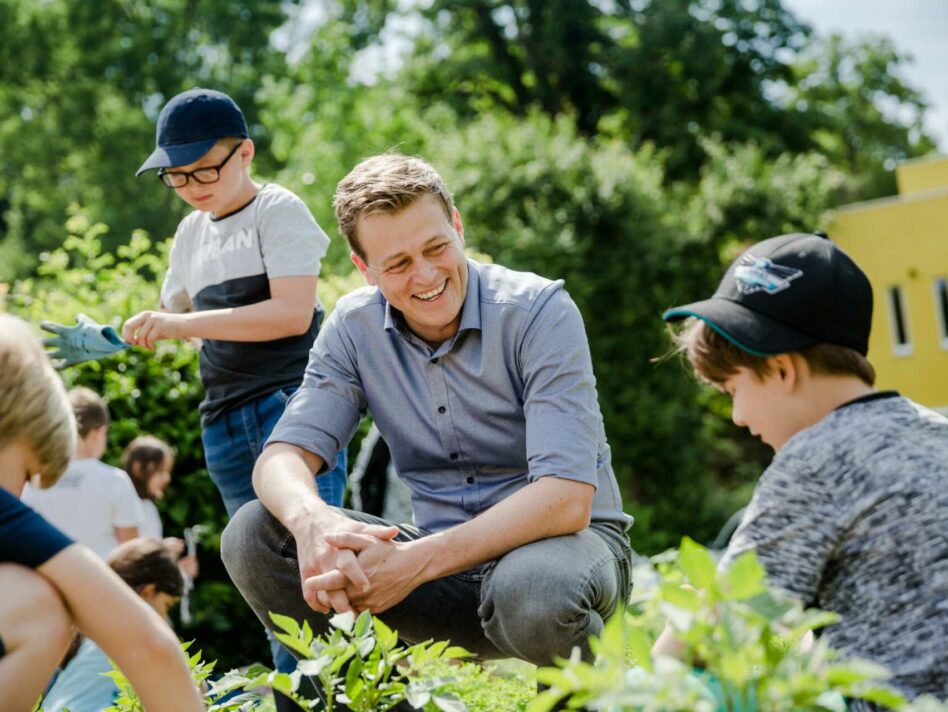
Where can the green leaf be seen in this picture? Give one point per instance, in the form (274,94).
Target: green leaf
(768,606)
(545,701)
(880,695)
(640,647)
(362,625)
(697,563)
(289,625)
(313,668)
(343,621)
(455,652)
(853,671)
(366,646)
(294,643)
(686,598)
(449,703)
(745,577)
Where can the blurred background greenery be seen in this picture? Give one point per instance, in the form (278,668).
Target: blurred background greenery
(629,147)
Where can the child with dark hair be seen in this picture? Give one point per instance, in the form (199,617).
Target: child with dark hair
(148,461)
(850,515)
(150,570)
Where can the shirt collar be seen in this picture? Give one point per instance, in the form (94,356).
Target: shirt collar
(470,311)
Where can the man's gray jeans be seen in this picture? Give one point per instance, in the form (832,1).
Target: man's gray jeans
(534,603)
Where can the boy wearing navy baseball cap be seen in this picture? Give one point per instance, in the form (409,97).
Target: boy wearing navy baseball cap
(242,278)
(850,515)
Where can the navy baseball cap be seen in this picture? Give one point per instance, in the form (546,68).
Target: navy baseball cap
(190,124)
(786,294)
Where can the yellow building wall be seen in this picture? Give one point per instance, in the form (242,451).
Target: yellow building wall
(922,174)
(903,241)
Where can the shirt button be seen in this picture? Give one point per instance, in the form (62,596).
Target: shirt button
(441,409)
(434,360)
(470,480)
(454,456)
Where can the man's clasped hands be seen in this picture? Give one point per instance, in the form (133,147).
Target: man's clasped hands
(348,565)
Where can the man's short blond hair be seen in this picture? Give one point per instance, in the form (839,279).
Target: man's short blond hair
(34,408)
(387,183)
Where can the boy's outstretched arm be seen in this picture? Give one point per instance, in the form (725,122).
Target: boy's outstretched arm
(288,312)
(106,610)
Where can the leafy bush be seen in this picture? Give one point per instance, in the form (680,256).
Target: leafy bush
(745,637)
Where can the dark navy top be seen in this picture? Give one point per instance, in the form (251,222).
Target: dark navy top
(25,537)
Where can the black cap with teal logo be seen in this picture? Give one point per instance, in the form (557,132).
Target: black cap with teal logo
(786,294)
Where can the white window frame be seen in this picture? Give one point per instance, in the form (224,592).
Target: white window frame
(939,284)
(899,349)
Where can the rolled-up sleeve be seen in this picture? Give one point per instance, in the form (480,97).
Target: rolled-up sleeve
(563,422)
(324,413)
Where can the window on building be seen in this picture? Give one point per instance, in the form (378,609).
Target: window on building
(941,309)
(898,322)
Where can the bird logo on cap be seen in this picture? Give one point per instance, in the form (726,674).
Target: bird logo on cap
(758,274)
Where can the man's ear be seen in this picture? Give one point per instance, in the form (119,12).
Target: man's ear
(458,226)
(363,268)
(147,592)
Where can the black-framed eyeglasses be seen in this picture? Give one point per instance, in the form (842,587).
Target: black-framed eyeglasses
(205,175)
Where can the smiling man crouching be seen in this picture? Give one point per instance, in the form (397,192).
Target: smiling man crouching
(480,380)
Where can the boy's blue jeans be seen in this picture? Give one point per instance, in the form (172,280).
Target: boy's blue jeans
(232,444)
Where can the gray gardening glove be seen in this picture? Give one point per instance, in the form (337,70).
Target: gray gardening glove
(86,341)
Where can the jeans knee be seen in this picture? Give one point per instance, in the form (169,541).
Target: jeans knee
(537,623)
(240,539)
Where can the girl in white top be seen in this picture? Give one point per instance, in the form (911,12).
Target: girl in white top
(148,461)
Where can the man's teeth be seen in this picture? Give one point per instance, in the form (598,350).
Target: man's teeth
(428,296)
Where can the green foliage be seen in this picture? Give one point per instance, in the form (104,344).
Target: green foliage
(127,699)
(672,73)
(744,637)
(849,92)
(358,663)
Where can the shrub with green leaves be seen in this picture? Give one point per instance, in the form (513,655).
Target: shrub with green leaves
(358,665)
(742,650)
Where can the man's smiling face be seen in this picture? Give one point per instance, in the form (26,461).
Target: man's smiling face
(416,259)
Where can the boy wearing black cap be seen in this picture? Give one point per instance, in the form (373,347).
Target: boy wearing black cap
(241,278)
(850,515)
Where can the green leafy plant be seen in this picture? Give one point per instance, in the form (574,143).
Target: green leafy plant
(127,699)
(358,663)
(742,650)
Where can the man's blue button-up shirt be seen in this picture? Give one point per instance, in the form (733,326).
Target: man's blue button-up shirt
(511,398)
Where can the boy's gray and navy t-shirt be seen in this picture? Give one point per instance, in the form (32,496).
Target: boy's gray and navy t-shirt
(225,263)
(852,517)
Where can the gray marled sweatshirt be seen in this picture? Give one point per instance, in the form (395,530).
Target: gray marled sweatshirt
(852,517)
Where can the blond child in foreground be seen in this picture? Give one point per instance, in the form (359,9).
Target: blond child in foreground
(49,582)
